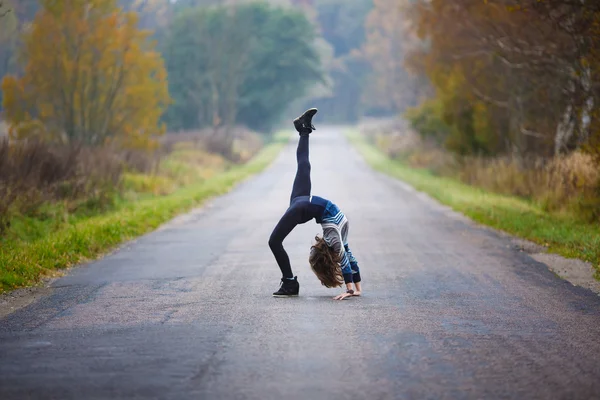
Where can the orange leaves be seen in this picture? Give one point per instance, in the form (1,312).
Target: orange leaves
(90,75)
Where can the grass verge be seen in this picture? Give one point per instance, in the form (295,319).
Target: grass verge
(561,234)
(24,263)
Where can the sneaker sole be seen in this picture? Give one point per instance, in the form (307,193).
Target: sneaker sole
(285,295)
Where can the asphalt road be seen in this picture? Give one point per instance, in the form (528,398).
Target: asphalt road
(450,310)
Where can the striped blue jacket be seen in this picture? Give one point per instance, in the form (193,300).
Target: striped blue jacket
(335,232)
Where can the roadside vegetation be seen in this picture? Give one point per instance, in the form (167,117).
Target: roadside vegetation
(91,88)
(491,200)
(97,200)
(503,95)
(499,95)
(501,100)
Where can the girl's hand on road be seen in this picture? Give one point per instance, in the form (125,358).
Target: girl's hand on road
(343,296)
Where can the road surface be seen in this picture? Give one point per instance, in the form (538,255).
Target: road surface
(450,310)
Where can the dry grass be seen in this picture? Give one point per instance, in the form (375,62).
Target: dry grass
(33,174)
(398,141)
(561,233)
(38,248)
(193,156)
(569,183)
(237,144)
(60,205)
(562,183)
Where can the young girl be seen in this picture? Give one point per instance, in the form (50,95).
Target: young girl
(330,257)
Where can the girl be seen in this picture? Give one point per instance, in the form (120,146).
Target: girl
(330,257)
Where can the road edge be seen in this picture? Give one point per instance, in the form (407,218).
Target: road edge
(573,270)
(19,298)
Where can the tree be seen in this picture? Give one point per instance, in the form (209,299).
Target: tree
(510,76)
(283,64)
(153,14)
(3,9)
(206,51)
(8,40)
(390,38)
(341,24)
(90,76)
(240,64)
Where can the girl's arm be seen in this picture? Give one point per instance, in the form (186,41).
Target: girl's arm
(357,291)
(349,291)
(335,239)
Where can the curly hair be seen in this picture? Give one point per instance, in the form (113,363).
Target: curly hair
(324,262)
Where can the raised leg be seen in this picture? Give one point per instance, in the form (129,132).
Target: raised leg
(302,183)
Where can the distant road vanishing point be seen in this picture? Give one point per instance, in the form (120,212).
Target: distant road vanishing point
(450,310)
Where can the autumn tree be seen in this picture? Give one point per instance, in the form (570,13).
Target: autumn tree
(508,76)
(578,62)
(90,76)
(9,28)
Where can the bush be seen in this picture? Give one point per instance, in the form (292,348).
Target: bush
(236,144)
(41,180)
(34,173)
(154,184)
(568,183)
(427,120)
(565,182)
(399,141)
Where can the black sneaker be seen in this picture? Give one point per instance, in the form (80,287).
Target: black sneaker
(288,288)
(303,123)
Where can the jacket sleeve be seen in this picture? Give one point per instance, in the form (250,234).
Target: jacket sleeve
(353,264)
(334,239)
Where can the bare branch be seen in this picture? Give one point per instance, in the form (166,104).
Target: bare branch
(498,103)
(528,132)
(3,12)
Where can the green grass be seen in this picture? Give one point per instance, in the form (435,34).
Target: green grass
(561,234)
(45,246)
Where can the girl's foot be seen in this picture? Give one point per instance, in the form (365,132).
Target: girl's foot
(303,123)
(288,288)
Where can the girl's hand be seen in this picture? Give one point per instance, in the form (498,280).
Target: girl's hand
(343,296)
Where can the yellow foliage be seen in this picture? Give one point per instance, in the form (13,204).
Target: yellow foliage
(90,76)
(559,183)
(155,184)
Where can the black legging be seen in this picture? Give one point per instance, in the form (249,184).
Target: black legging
(297,213)
(302,184)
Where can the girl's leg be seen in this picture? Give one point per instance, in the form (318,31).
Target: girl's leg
(286,224)
(302,184)
(302,187)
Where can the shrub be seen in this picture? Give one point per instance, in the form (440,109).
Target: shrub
(568,183)
(155,184)
(236,144)
(33,173)
(427,120)
(41,180)
(565,182)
